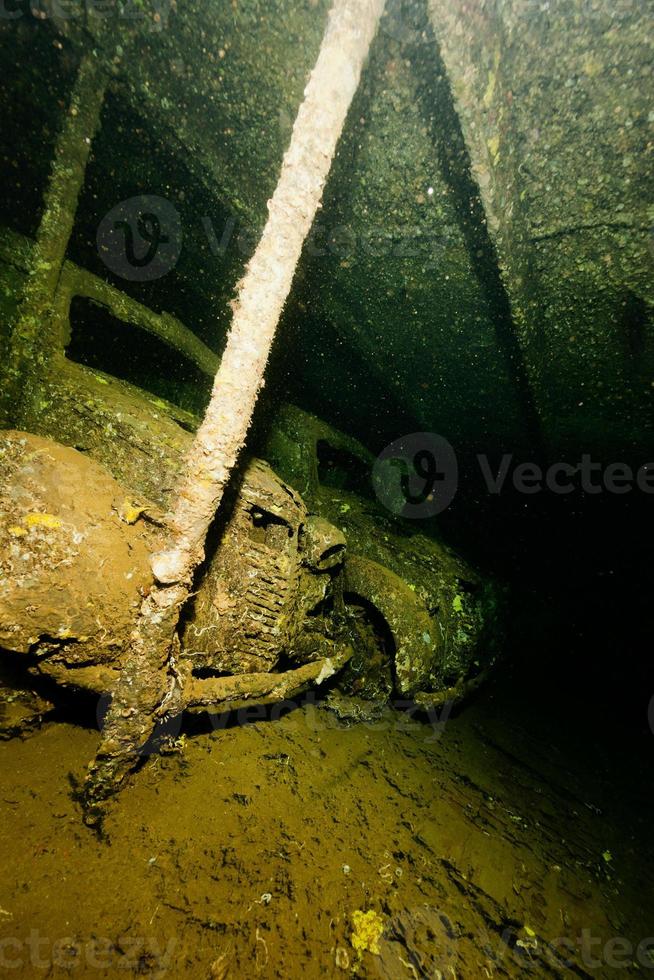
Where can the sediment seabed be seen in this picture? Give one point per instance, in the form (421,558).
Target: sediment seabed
(310,845)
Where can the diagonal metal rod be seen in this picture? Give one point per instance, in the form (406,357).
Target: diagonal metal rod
(147,684)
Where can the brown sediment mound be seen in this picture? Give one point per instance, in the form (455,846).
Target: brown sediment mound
(73,559)
(485,847)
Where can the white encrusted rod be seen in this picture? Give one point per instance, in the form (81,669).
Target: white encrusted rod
(145,683)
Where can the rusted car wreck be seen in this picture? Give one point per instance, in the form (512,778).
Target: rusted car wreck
(294,588)
(288,592)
